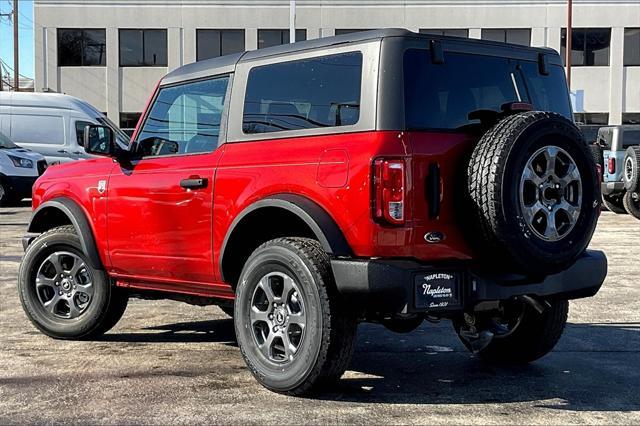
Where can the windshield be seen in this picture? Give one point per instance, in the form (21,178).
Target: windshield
(5,142)
(441,96)
(121,136)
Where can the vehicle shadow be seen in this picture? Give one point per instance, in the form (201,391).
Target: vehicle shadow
(213,331)
(594,367)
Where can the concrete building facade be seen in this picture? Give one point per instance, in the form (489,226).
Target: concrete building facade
(112,52)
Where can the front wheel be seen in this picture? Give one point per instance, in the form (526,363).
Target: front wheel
(294,331)
(520,333)
(62,294)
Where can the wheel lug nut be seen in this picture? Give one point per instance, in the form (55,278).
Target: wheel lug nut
(57,283)
(60,293)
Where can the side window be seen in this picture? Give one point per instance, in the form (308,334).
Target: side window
(49,131)
(184,119)
(80,125)
(303,94)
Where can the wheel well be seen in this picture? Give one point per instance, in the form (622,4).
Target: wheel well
(47,218)
(256,228)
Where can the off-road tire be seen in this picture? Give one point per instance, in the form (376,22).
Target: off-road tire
(501,235)
(535,336)
(614,203)
(631,203)
(6,198)
(105,309)
(631,169)
(328,345)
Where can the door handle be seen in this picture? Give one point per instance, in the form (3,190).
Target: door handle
(63,151)
(193,183)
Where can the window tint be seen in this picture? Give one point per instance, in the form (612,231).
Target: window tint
(80,125)
(589,46)
(143,48)
(630,138)
(184,119)
(441,96)
(50,129)
(448,32)
(304,94)
(214,43)
(268,38)
(520,36)
(632,47)
(80,47)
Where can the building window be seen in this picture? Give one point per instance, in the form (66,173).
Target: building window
(600,118)
(214,43)
(631,47)
(589,46)
(451,32)
(631,118)
(268,38)
(520,36)
(344,31)
(143,48)
(303,94)
(129,121)
(81,48)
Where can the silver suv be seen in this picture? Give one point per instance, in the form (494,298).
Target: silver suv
(613,148)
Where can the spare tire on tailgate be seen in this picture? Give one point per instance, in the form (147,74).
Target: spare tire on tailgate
(534,191)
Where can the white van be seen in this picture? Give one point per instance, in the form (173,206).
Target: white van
(51,124)
(19,169)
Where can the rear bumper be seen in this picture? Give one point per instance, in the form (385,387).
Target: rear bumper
(388,286)
(612,187)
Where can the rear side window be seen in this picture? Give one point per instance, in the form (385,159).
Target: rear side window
(184,119)
(630,138)
(441,96)
(303,94)
(49,131)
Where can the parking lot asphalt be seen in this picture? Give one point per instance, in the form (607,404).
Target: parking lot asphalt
(168,362)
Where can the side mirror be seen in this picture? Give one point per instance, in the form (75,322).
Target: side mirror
(99,140)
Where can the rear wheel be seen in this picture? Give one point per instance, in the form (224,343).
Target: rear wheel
(293,329)
(631,202)
(631,169)
(533,187)
(62,294)
(520,333)
(613,203)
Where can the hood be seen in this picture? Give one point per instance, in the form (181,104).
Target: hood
(24,153)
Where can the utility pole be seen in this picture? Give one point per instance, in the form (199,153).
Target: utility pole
(16,57)
(292,21)
(569,40)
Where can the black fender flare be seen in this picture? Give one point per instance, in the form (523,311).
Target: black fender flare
(319,221)
(79,221)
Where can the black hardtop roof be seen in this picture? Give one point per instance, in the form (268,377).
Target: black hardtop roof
(227,63)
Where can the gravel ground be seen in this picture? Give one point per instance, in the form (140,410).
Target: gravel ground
(168,362)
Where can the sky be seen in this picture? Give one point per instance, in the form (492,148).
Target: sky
(25,21)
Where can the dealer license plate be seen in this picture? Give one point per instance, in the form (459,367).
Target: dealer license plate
(437,291)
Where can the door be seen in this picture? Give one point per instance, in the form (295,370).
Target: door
(159,220)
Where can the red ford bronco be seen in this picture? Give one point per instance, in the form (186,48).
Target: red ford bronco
(381,176)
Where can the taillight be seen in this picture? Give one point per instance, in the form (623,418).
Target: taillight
(388,190)
(612,165)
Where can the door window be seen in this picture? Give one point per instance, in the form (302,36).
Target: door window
(184,119)
(80,125)
(49,131)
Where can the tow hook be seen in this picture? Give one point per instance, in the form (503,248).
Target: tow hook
(477,340)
